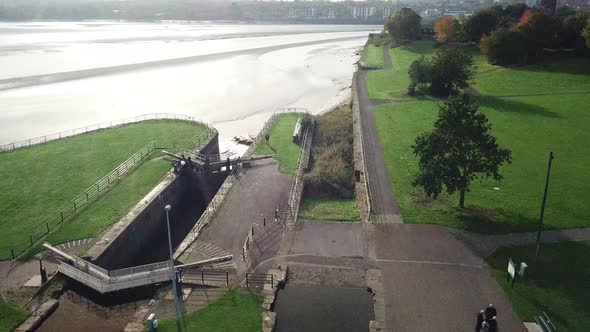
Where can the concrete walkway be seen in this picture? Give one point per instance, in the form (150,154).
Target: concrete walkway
(386,57)
(384,204)
(258,192)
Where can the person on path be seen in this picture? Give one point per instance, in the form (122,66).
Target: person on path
(492,325)
(490,312)
(267,136)
(479,322)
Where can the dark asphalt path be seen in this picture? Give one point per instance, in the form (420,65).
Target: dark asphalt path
(382,197)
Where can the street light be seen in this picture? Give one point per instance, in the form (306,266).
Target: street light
(174,289)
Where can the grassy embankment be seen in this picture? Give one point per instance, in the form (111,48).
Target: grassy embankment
(235,311)
(557,283)
(280,143)
(372,56)
(44,178)
(10,316)
(329,189)
(533,110)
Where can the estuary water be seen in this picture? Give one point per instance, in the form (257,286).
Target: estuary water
(58,76)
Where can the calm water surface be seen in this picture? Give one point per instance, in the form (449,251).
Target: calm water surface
(59,76)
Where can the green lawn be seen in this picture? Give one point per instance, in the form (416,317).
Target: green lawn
(281,143)
(44,178)
(558,283)
(530,126)
(238,311)
(329,208)
(373,56)
(393,83)
(10,316)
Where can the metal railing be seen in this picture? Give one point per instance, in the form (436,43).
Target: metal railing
(205,277)
(210,211)
(83,199)
(298,181)
(268,124)
(358,121)
(104,125)
(259,280)
(139,269)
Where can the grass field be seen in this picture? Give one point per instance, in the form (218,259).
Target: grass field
(373,56)
(10,317)
(558,283)
(238,311)
(531,125)
(329,208)
(393,83)
(44,178)
(281,143)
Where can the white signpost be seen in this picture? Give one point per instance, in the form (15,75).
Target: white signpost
(511,271)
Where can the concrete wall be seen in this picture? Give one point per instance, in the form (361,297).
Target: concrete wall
(140,237)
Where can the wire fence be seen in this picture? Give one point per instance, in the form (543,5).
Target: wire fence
(104,125)
(83,199)
(268,124)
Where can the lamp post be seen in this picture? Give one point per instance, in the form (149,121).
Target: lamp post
(543,206)
(174,290)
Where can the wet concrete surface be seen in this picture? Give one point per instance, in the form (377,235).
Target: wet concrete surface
(331,239)
(316,308)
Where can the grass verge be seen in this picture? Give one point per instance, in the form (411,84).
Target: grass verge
(235,311)
(281,144)
(329,208)
(10,316)
(558,283)
(45,177)
(373,56)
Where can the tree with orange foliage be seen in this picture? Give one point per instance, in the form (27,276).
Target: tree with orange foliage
(524,19)
(445,29)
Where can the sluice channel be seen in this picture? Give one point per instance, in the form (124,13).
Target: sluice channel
(144,241)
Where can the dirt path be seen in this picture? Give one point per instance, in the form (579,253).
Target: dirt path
(384,204)
(386,58)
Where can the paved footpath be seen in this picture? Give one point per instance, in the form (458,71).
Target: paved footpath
(384,204)
(258,192)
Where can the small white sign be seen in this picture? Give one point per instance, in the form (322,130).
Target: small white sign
(511,268)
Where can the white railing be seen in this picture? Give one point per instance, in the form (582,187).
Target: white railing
(139,269)
(104,125)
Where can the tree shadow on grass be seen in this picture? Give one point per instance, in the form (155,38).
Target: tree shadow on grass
(507,105)
(566,64)
(563,267)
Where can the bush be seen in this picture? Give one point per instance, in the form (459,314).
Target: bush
(420,75)
(505,47)
(332,156)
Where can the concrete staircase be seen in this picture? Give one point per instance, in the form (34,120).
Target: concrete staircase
(208,251)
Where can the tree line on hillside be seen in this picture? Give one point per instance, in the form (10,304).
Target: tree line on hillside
(515,34)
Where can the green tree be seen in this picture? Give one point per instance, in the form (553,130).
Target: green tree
(504,47)
(586,33)
(483,22)
(542,30)
(452,70)
(459,150)
(420,75)
(403,26)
